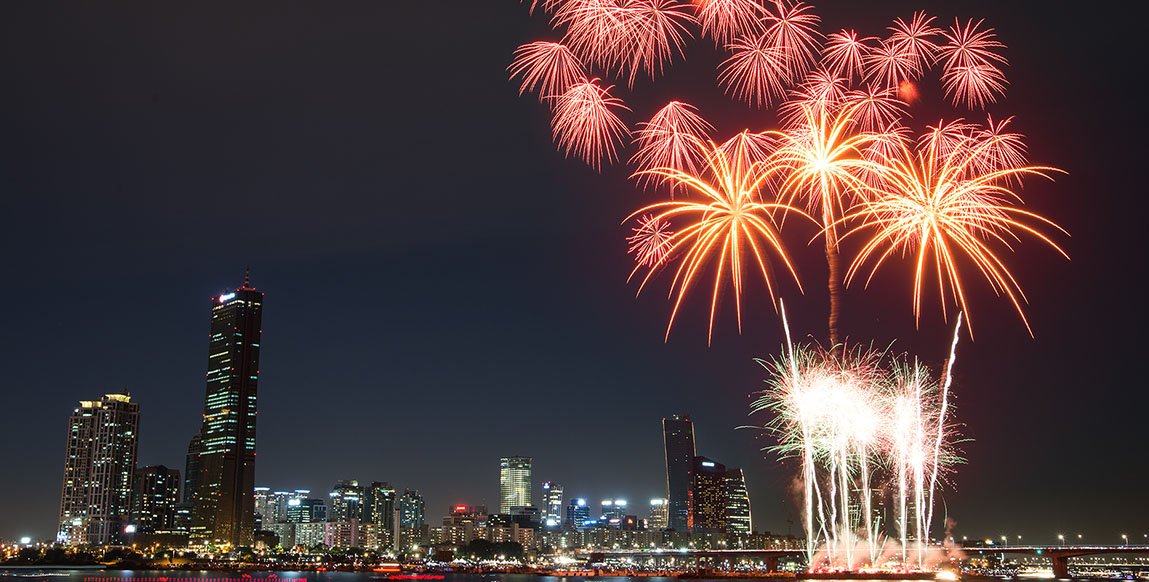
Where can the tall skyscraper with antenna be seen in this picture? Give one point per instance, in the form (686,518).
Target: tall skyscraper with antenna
(224,511)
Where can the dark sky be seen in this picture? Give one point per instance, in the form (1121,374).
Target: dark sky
(444,289)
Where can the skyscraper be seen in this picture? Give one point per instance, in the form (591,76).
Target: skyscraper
(305,510)
(708,496)
(657,519)
(155,493)
(577,513)
(346,501)
(678,439)
(99,466)
(224,512)
(514,483)
(552,504)
(379,505)
(411,509)
(737,502)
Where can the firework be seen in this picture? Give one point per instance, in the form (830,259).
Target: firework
(845,54)
(625,36)
(913,39)
(970,73)
(726,20)
(889,66)
(861,420)
(938,206)
(756,72)
(823,163)
(585,123)
(877,108)
(650,241)
(725,225)
(549,67)
(670,140)
(793,30)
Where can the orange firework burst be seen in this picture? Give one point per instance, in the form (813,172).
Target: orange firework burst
(728,225)
(939,205)
(585,123)
(822,159)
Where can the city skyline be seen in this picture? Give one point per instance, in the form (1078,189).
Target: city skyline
(397,335)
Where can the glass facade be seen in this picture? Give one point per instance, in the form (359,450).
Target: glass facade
(678,438)
(224,509)
(514,483)
(552,504)
(411,509)
(737,503)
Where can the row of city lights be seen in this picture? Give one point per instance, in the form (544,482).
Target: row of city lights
(1060,538)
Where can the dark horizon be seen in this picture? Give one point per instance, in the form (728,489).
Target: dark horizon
(444,289)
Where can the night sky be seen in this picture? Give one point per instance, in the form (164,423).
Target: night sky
(443,288)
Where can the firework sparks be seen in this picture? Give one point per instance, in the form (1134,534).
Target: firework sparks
(937,205)
(845,54)
(726,20)
(651,241)
(793,30)
(585,123)
(756,72)
(549,67)
(877,108)
(725,224)
(855,420)
(670,140)
(626,36)
(970,73)
(889,66)
(914,39)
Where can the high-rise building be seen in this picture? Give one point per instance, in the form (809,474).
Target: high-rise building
(305,510)
(186,507)
(737,502)
(379,505)
(678,440)
(577,513)
(262,499)
(708,496)
(552,504)
(657,518)
(613,511)
(514,483)
(191,469)
(99,466)
(346,501)
(411,509)
(155,493)
(224,513)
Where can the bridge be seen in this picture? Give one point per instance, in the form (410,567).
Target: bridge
(1058,555)
(769,556)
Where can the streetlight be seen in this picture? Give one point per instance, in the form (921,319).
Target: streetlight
(1126,538)
(1061,538)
